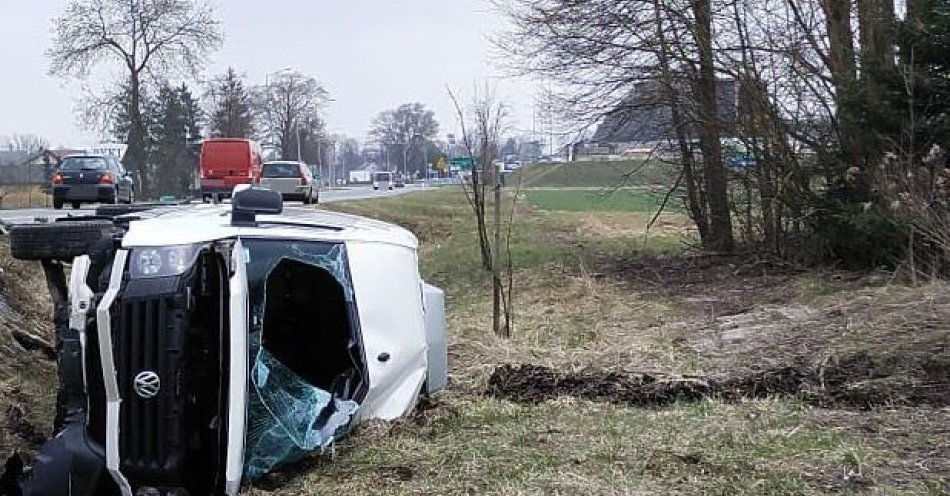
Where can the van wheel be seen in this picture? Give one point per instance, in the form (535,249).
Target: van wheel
(76,205)
(58,204)
(58,240)
(120,210)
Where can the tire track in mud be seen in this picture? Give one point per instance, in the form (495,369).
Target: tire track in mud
(846,384)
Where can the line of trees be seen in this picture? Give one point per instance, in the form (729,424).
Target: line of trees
(841,103)
(157,45)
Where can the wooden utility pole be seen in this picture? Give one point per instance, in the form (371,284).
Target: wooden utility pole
(496,256)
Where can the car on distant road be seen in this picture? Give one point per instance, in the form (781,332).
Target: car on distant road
(226,163)
(399,182)
(383,180)
(293,180)
(91,179)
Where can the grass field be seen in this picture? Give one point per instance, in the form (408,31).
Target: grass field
(641,200)
(595,174)
(593,294)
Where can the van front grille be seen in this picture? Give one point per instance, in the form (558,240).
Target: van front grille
(149,340)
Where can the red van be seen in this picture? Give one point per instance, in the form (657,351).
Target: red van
(226,163)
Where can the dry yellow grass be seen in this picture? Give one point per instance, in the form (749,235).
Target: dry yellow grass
(23,196)
(578,305)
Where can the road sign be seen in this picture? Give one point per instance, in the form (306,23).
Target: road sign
(462,163)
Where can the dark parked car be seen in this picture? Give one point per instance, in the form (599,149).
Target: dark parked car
(91,179)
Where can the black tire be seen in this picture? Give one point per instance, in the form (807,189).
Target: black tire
(58,204)
(58,240)
(76,205)
(117,210)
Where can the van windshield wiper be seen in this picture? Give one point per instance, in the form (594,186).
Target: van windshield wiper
(300,224)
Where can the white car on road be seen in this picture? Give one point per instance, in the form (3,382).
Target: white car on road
(383,181)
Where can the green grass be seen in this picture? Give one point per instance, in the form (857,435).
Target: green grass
(595,174)
(639,200)
(576,447)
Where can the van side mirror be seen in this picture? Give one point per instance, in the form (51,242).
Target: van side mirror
(248,202)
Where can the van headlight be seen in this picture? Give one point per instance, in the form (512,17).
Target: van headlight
(164,261)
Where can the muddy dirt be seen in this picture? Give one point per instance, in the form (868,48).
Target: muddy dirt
(17,422)
(719,285)
(844,385)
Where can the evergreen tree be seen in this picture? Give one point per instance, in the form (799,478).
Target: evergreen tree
(176,129)
(924,48)
(232,114)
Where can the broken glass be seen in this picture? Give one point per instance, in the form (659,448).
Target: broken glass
(288,418)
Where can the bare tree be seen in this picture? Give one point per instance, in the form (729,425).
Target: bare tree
(287,103)
(157,37)
(30,144)
(483,126)
(404,126)
(612,59)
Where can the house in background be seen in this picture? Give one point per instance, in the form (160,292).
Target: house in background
(25,167)
(643,123)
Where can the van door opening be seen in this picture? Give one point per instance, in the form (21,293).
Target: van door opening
(308,373)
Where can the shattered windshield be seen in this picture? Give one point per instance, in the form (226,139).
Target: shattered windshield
(305,370)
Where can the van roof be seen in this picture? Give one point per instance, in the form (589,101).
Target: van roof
(181,225)
(227,140)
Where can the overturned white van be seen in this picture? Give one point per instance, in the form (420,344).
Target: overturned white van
(204,346)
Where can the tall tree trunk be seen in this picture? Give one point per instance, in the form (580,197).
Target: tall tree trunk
(695,201)
(136,154)
(876,23)
(876,30)
(714,172)
(843,69)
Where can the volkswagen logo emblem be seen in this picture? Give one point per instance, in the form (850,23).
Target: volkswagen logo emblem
(147,384)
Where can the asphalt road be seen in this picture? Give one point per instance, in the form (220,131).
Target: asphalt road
(27,215)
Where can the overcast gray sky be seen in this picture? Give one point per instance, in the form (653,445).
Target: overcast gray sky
(370,54)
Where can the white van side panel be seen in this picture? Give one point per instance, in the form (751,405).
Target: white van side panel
(388,291)
(437,376)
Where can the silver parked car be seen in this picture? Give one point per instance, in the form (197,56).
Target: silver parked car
(293,180)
